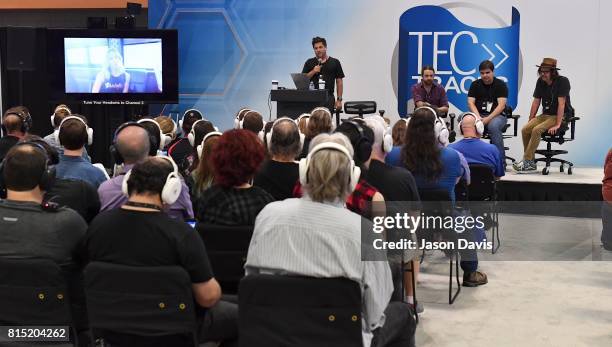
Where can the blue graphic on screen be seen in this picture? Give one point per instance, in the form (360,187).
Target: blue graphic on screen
(113,65)
(431,35)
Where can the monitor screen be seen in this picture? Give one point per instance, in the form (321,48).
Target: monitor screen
(113,65)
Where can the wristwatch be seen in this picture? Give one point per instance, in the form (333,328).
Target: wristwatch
(339,98)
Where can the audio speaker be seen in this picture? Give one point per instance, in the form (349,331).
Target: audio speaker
(21,48)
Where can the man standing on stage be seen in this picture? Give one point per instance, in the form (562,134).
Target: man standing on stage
(487,99)
(328,67)
(429,93)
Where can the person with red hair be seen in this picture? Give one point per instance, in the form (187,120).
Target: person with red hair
(233,200)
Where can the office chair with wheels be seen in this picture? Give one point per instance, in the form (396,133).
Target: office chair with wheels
(569,123)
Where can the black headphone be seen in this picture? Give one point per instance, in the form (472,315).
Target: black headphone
(25,117)
(363,146)
(47,178)
(114,152)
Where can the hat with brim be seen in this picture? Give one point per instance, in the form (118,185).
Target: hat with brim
(549,63)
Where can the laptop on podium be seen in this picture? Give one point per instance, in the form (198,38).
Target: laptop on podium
(300,80)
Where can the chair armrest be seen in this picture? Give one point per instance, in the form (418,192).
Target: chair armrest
(338,111)
(452,117)
(515,117)
(572,121)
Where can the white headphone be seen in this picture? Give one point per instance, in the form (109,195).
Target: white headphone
(192,135)
(162,138)
(305,163)
(200,148)
(278,120)
(387,140)
(328,112)
(89,130)
(60,107)
(187,112)
(172,187)
(440,130)
(238,120)
(302,116)
(480,127)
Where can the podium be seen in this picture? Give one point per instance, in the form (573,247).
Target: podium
(292,102)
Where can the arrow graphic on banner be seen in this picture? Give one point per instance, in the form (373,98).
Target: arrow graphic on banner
(492,56)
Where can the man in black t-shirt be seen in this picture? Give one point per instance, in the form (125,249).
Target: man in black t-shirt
(329,67)
(280,173)
(552,92)
(181,149)
(140,234)
(16,122)
(487,99)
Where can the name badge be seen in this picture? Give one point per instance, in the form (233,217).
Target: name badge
(489,106)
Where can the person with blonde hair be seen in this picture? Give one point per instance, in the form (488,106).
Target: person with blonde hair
(319,122)
(112,78)
(168,128)
(329,239)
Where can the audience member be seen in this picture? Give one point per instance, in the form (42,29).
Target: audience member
(199,130)
(438,168)
(279,174)
(181,150)
(73,134)
(606,209)
(131,142)
(158,140)
(138,234)
(302,122)
(252,121)
(60,112)
(204,176)
(16,122)
(397,133)
(398,187)
(233,200)
(168,128)
(319,122)
(473,148)
(329,239)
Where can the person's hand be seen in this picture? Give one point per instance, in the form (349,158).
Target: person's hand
(554,129)
(317,68)
(338,105)
(485,120)
(531,117)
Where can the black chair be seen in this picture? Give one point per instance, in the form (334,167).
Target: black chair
(569,123)
(227,248)
(357,108)
(299,312)
(35,292)
(436,202)
(481,197)
(137,305)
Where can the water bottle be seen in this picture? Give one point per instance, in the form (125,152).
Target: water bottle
(321,82)
(311,86)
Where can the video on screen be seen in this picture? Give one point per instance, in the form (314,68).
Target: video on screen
(113,65)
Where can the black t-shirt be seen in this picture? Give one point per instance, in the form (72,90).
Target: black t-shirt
(183,155)
(76,194)
(331,70)
(138,238)
(550,94)
(6,143)
(487,93)
(396,184)
(278,178)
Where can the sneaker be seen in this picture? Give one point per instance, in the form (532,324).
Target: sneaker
(527,166)
(517,165)
(474,279)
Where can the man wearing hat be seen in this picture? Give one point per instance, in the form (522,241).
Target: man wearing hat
(552,92)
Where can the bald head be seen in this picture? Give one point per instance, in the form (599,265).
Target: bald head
(468,126)
(12,124)
(133,144)
(285,139)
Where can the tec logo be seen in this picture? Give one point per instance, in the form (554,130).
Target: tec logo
(431,35)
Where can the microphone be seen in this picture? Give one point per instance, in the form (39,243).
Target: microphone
(320,61)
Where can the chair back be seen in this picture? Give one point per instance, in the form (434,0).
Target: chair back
(360,107)
(483,185)
(299,311)
(33,292)
(137,300)
(227,248)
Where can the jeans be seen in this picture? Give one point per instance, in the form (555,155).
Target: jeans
(399,327)
(495,130)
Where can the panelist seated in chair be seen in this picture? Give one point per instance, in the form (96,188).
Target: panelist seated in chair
(316,236)
(140,234)
(552,91)
(475,150)
(429,93)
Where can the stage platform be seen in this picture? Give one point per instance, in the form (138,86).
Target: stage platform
(583,185)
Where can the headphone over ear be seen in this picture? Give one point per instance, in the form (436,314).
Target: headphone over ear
(268,136)
(162,137)
(240,116)
(305,163)
(191,111)
(115,154)
(89,130)
(26,120)
(60,107)
(172,186)
(47,178)
(192,135)
(440,129)
(478,124)
(328,112)
(200,148)
(363,147)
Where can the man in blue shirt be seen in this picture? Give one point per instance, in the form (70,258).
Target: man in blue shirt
(73,134)
(474,149)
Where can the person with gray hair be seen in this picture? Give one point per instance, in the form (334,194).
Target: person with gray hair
(279,174)
(329,236)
